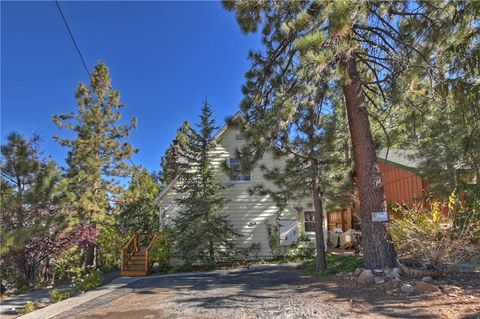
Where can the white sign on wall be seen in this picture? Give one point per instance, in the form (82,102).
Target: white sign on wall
(379,217)
(288,231)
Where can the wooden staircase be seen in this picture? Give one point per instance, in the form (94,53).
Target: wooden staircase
(134,256)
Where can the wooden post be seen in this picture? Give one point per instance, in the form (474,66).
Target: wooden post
(122,267)
(146,261)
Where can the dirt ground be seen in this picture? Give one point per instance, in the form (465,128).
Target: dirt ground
(278,292)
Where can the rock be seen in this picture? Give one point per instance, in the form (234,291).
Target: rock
(427,279)
(358,271)
(366,277)
(407,289)
(394,273)
(425,287)
(387,270)
(379,280)
(378,272)
(390,292)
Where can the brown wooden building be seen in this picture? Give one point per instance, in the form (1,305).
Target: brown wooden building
(402,185)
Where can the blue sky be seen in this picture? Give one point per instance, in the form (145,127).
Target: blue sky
(164,57)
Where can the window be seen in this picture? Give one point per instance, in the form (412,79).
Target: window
(236,173)
(309,221)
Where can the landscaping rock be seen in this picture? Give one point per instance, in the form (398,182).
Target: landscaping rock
(379,280)
(425,287)
(407,289)
(366,277)
(427,279)
(395,273)
(378,272)
(358,271)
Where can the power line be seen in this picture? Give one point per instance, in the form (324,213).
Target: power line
(71,37)
(85,65)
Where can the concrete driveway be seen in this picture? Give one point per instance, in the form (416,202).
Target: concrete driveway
(258,292)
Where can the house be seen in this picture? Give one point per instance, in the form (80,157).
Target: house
(248,213)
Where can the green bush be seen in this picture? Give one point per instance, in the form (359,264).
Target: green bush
(110,242)
(29,307)
(304,249)
(57,295)
(89,281)
(335,264)
(161,251)
(250,252)
(67,265)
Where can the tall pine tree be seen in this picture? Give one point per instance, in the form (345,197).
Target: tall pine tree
(203,233)
(98,154)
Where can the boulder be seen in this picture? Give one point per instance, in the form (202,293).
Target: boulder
(407,289)
(358,271)
(366,277)
(425,287)
(379,280)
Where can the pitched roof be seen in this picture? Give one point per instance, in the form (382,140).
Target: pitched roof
(404,158)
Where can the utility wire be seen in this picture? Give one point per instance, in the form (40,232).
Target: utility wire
(84,64)
(71,37)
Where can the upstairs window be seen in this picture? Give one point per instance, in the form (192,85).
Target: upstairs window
(236,173)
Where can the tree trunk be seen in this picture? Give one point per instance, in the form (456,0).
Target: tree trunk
(377,246)
(89,260)
(320,241)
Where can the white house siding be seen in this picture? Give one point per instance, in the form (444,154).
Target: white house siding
(247,213)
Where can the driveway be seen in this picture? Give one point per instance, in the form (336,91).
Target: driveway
(260,292)
(266,291)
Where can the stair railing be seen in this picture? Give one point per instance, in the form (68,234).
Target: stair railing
(128,250)
(147,252)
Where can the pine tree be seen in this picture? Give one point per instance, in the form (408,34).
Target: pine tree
(203,233)
(169,162)
(438,113)
(311,140)
(138,208)
(361,48)
(98,153)
(34,217)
